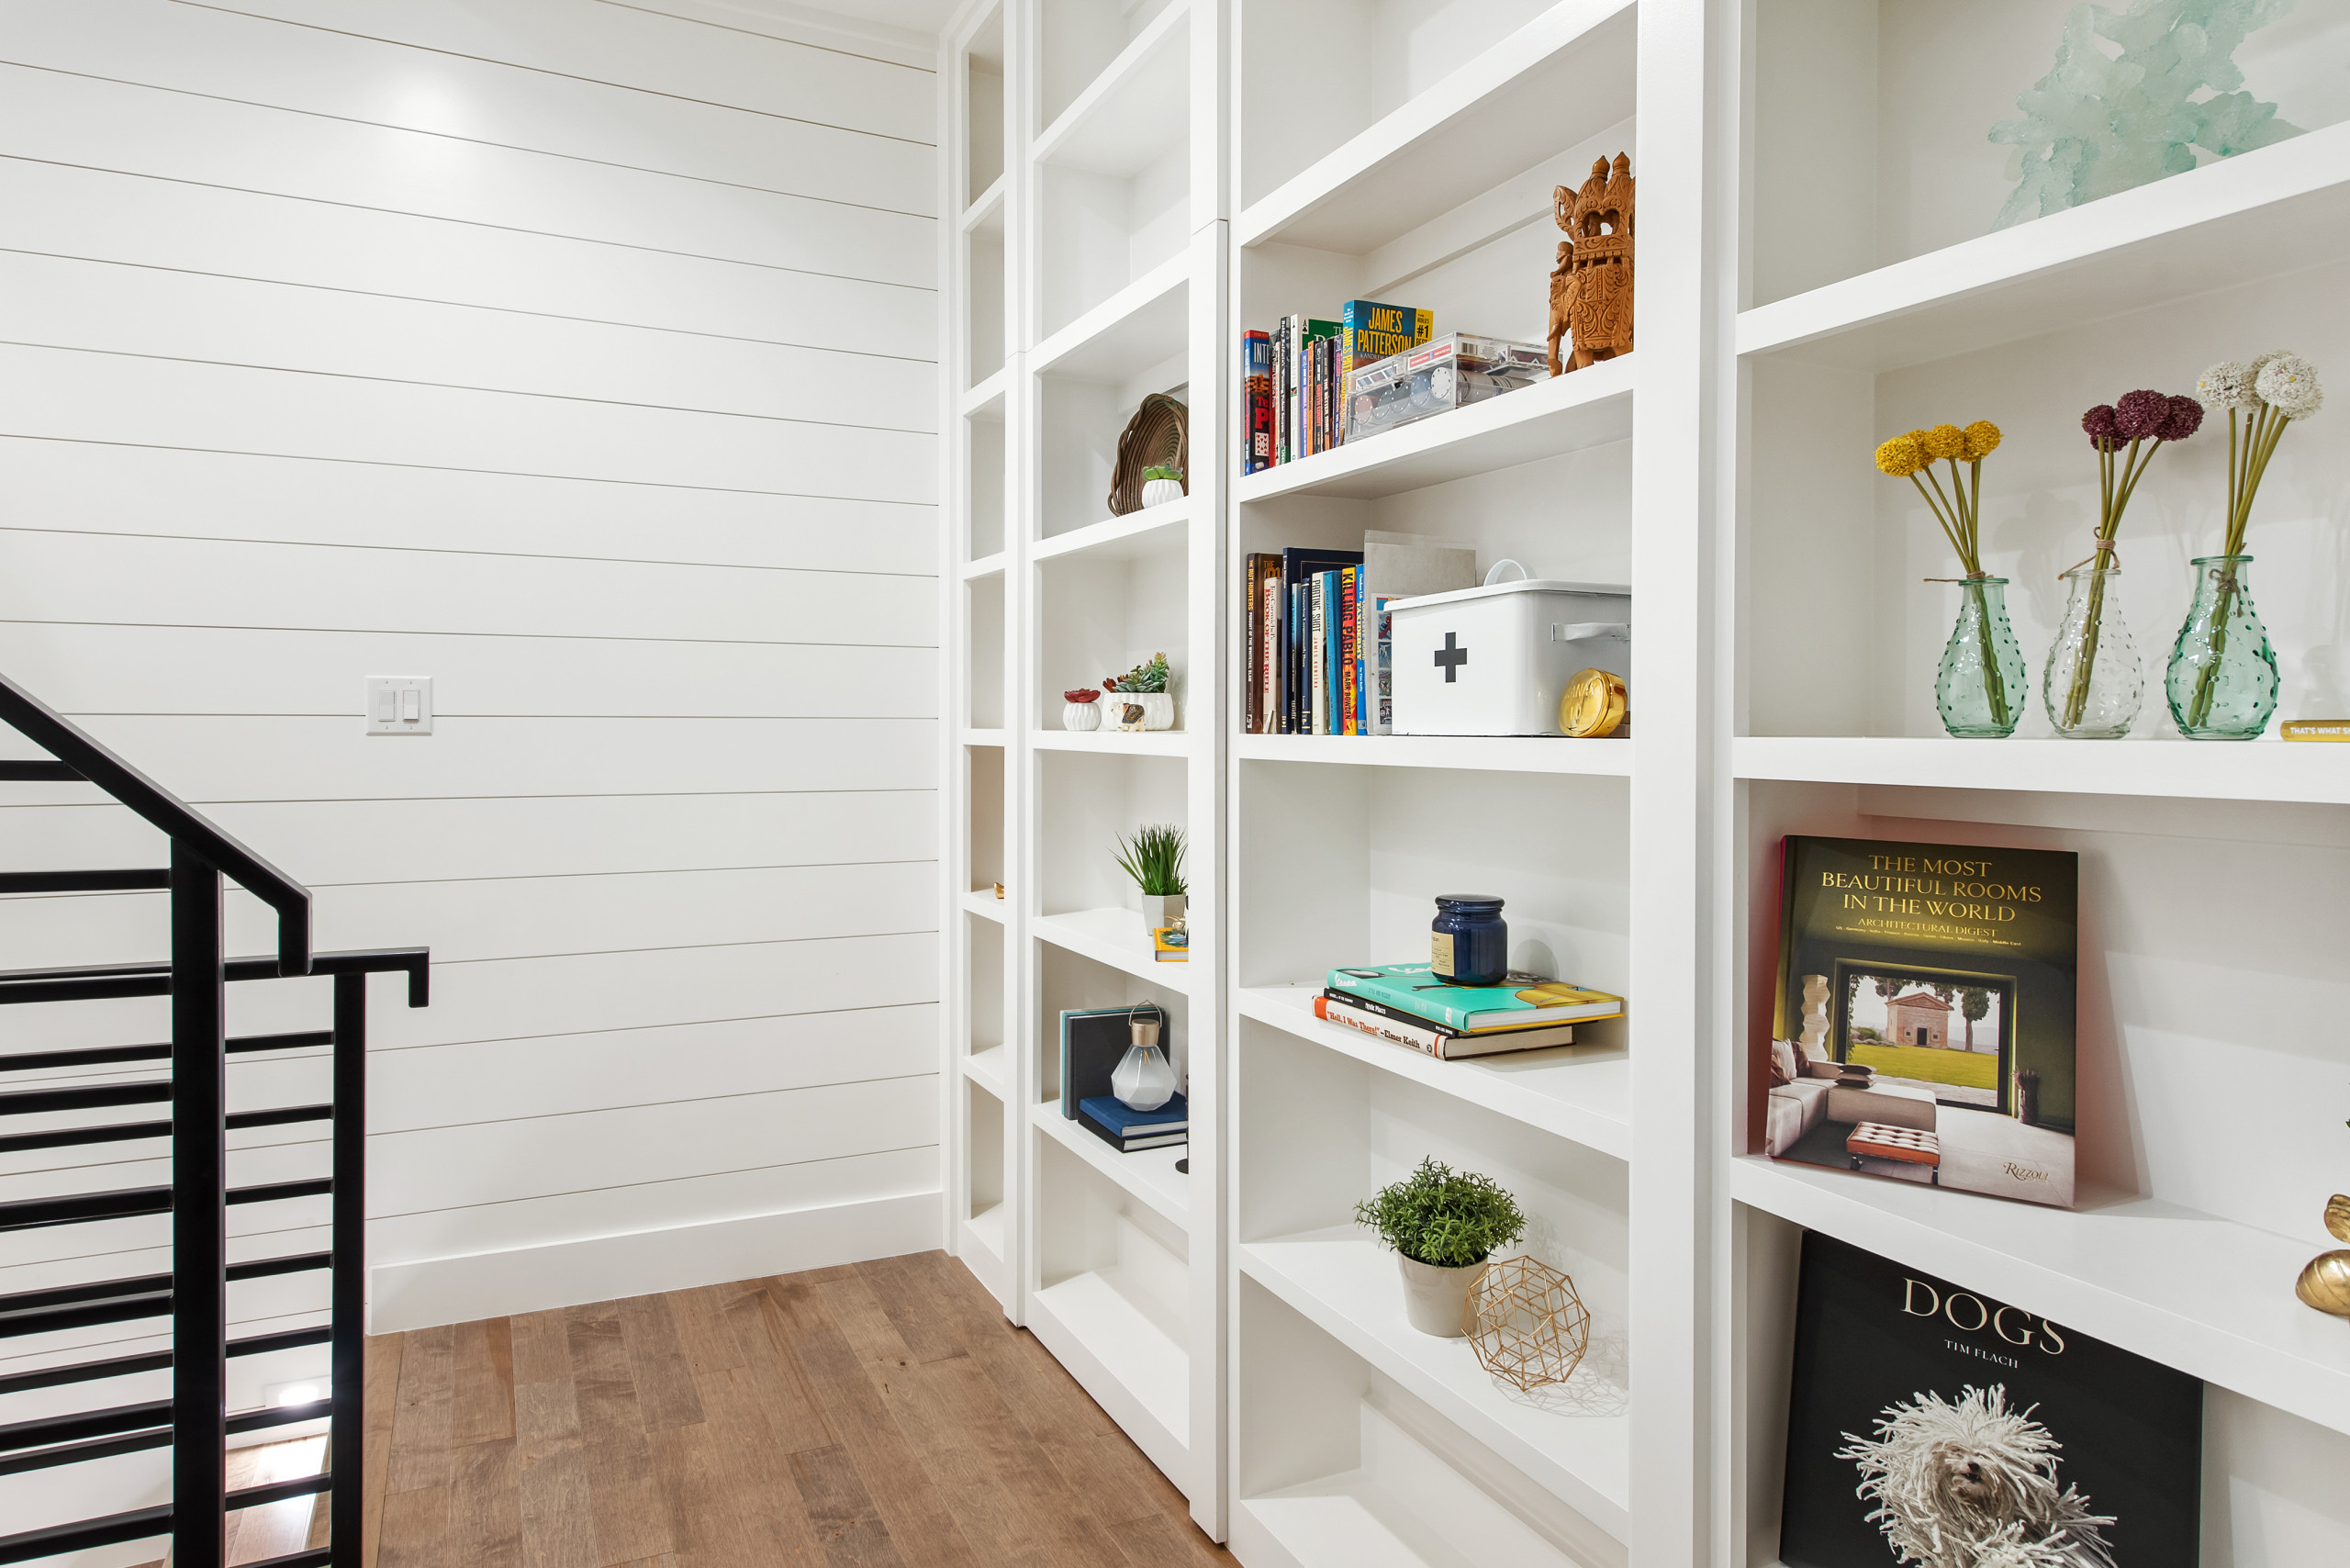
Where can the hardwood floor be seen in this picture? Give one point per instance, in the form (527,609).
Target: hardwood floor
(877,1415)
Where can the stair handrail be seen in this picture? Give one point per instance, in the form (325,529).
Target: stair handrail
(69,744)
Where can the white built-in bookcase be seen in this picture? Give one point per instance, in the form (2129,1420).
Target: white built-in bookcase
(1127,187)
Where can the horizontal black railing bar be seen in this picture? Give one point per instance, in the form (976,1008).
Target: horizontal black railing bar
(87,1371)
(38,771)
(84,1313)
(68,744)
(56,1541)
(156,1361)
(130,881)
(284,1340)
(85,1097)
(93,1290)
(123,1300)
(131,1132)
(48,1429)
(81,1208)
(159,1050)
(58,1432)
(84,1451)
(72,1138)
(148,1284)
(279,1490)
(98,982)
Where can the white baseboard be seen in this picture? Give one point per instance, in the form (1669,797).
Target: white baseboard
(567,1274)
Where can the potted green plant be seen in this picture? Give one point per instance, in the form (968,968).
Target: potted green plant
(1444,1225)
(1144,686)
(1161,484)
(1154,858)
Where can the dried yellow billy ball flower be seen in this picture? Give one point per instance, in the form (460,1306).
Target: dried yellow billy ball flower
(1901,457)
(1982,440)
(1946,440)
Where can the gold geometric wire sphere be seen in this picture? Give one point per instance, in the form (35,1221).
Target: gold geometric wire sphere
(1526,1323)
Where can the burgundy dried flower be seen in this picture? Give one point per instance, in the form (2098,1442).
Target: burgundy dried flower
(2186,417)
(2141,413)
(2104,430)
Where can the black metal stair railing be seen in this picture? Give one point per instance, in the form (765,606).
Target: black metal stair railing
(196,1422)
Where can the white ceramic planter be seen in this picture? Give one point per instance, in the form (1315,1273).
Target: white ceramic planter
(1161,910)
(1159,492)
(1080,715)
(1437,1300)
(1157,709)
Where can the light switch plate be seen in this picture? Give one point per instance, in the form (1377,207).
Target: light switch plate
(399,704)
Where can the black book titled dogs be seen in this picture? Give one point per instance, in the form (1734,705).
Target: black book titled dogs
(1930,1423)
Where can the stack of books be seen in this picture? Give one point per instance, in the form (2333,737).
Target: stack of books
(1318,659)
(1406,1005)
(1109,1118)
(1293,379)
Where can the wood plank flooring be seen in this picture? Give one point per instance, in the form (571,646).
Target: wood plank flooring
(881,1414)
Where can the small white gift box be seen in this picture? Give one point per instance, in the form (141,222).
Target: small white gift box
(1493,660)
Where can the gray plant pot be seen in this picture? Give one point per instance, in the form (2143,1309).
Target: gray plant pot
(1437,1300)
(1162,909)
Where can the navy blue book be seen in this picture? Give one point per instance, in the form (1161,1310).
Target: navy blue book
(1129,1130)
(1298,564)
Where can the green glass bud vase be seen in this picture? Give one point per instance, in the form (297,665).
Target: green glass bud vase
(1982,687)
(2221,683)
(2091,685)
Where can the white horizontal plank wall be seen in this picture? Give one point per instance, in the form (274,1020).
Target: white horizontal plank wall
(582,357)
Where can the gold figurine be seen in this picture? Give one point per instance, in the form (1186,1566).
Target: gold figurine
(2326,1284)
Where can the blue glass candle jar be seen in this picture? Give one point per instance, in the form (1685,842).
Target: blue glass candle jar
(1469,943)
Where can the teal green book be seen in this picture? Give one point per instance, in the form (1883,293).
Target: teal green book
(1521,999)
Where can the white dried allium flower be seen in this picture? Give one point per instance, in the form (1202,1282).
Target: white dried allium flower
(2227,385)
(2288,382)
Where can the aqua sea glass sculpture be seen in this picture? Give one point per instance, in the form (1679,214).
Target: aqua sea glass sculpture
(2099,123)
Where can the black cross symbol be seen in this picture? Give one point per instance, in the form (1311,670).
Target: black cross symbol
(1452,658)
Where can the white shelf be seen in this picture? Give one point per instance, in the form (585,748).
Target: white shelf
(1489,754)
(1143,324)
(2255,215)
(1139,1376)
(986,1227)
(1565,76)
(1153,531)
(1148,1175)
(2218,770)
(982,737)
(975,403)
(1580,1092)
(1333,1522)
(986,206)
(1348,1287)
(983,902)
(2199,1293)
(985,566)
(1587,407)
(1116,937)
(1107,742)
(1135,110)
(991,1069)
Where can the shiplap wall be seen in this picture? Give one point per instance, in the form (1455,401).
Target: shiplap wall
(579,355)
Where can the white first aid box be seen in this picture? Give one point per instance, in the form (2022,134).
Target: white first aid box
(1493,660)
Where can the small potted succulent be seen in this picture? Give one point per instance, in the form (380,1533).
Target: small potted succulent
(1161,484)
(1078,711)
(1444,1225)
(1154,858)
(1143,688)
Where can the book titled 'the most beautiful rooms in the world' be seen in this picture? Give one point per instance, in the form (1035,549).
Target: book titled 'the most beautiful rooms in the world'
(1924,1026)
